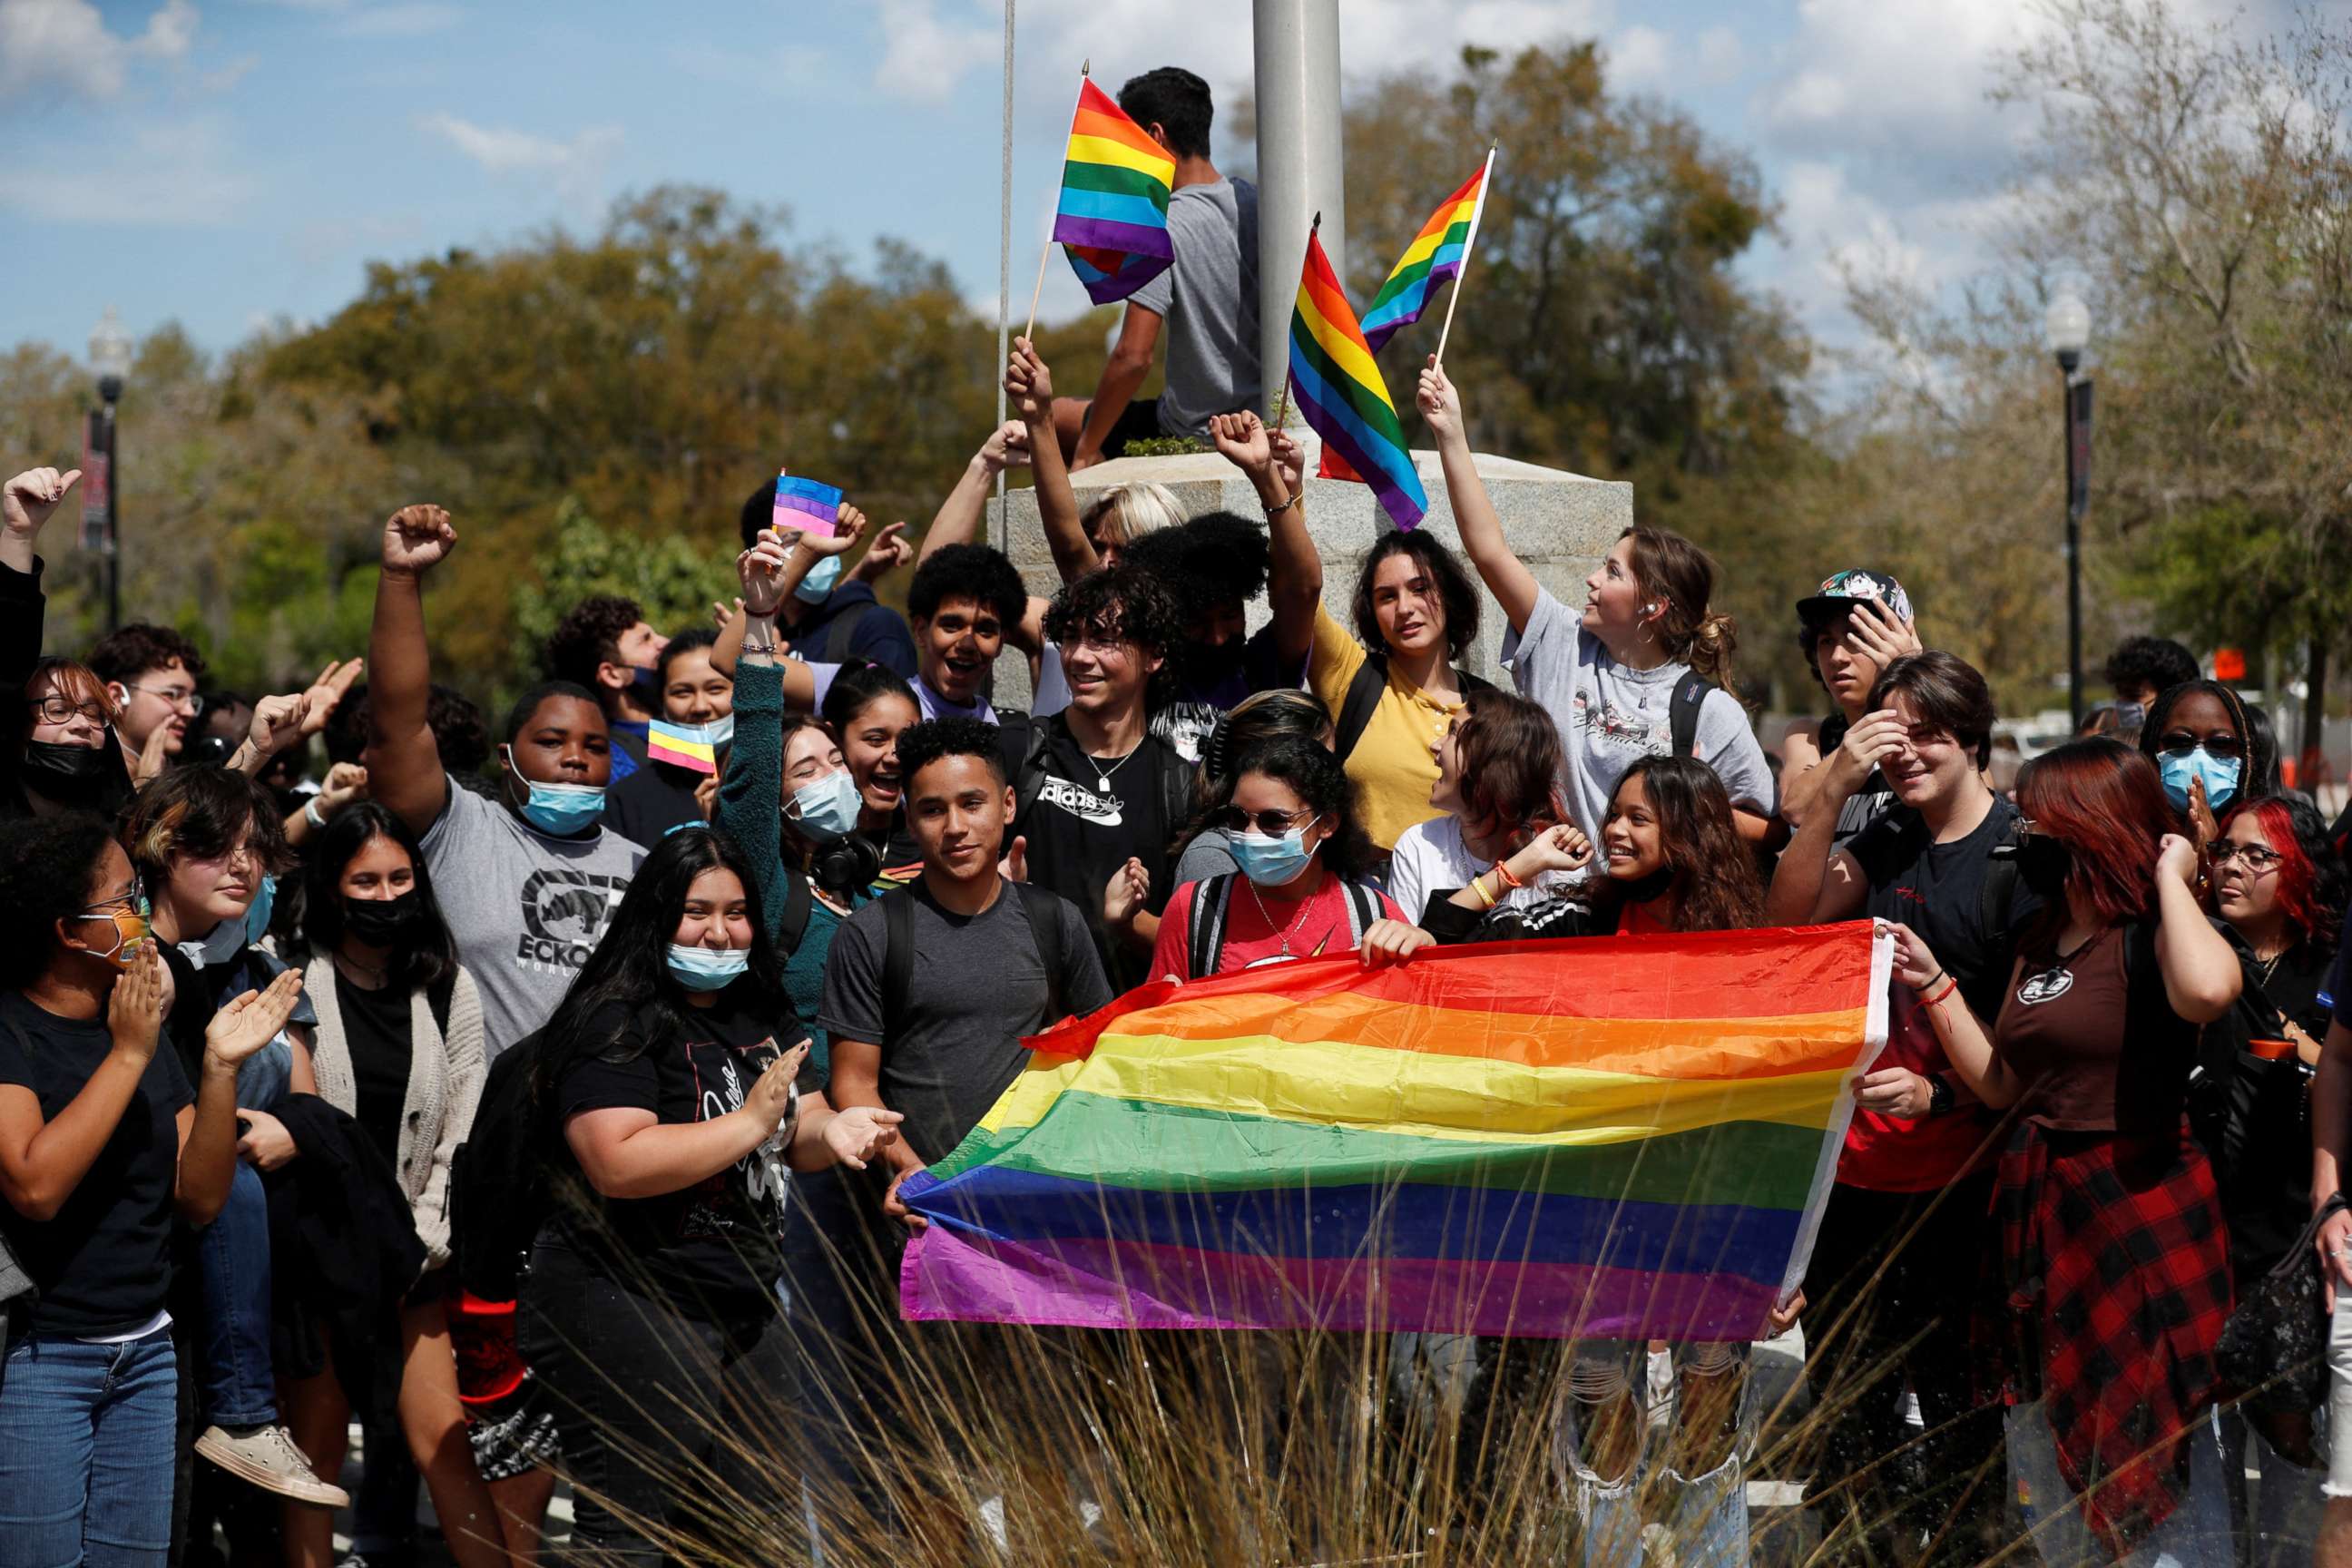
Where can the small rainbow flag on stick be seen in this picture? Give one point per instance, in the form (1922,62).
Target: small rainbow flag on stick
(1342,396)
(1439,251)
(1112,220)
(681,745)
(1629,1138)
(799,499)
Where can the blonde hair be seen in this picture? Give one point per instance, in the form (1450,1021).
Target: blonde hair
(1125,513)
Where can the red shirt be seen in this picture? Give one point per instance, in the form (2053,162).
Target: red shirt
(1891,1154)
(1256,926)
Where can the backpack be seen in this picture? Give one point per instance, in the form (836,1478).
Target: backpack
(1682,711)
(1363,699)
(1043,907)
(1204,932)
(1025,741)
(499,1188)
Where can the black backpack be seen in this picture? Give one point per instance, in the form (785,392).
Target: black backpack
(1363,699)
(842,628)
(1204,932)
(498,1189)
(1043,907)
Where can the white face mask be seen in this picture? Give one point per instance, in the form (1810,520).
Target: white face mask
(223,943)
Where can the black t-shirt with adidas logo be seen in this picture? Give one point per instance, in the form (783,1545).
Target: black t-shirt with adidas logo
(1079,833)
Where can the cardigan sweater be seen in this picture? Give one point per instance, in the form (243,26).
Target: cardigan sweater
(445,1084)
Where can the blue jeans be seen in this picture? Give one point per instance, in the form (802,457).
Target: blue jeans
(86,1448)
(233,1262)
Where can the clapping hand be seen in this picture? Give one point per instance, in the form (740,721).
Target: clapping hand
(1125,893)
(251,1021)
(135,1009)
(858,1133)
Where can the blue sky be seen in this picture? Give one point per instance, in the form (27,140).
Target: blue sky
(226,162)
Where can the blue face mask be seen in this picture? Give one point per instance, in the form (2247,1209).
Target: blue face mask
(820,580)
(257,913)
(1271,862)
(2220,776)
(559,808)
(706,968)
(827,809)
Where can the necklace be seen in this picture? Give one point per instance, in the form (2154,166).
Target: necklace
(1296,920)
(1102,773)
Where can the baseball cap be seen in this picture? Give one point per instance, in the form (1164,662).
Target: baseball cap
(1840,590)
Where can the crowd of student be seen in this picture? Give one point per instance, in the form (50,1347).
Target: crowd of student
(538,1098)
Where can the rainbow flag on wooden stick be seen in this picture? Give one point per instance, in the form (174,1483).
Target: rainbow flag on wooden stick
(1630,1138)
(1112,219)
(1438,252)
(1342,396)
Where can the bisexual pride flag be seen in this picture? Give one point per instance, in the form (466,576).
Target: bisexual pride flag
(804,504)
(1112,218)
(1630,1138)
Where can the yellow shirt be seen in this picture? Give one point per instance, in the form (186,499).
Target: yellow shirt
(1392,764)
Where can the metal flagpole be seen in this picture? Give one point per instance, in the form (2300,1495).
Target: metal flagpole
(1004,261)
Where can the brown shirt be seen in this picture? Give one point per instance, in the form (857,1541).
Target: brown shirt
(2092,1035)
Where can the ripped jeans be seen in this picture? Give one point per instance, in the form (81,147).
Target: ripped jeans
(1703,1515)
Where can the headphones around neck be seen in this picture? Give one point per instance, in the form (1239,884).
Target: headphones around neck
(850,862)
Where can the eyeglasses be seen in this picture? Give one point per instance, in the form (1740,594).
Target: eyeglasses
(1272,823)
(104,908)
(57,709)
(2220,744)
(178,696)
(2259,858)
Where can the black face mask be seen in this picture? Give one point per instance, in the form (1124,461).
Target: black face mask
(2042,863)
(65,772)
(382,923)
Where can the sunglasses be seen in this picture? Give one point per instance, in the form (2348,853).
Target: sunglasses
(1272,823)
(2220,744)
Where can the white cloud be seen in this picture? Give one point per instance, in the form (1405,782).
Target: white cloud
(1640,60)
(576,167)
(1721,56)
(182,174)
(923,57)
(786,70)
(50,46)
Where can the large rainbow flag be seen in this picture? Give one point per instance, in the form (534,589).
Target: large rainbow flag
(1112,219)
(1435,254)
(1629,1137)
(1342,396)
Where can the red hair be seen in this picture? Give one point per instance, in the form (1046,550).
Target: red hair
(2103,801)
(2298,878)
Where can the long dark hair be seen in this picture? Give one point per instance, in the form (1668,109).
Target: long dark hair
(428,956)
(629,969)
(1715,882)
(1319,780)
(1255,720)
(855,687)
(1446,574)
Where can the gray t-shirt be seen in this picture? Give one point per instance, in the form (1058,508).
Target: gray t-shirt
(1209,302)
(1609,716)
(978,986)
(526,909)
(1210,854)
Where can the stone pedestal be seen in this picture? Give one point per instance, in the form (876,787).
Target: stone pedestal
(1561,523)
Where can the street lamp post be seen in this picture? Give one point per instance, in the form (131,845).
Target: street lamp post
(2067,326)
(109,358)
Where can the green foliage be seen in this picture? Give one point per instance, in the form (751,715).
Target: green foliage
(666,576)
(1166,447)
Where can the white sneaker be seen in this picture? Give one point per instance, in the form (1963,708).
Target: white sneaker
(267,1458)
